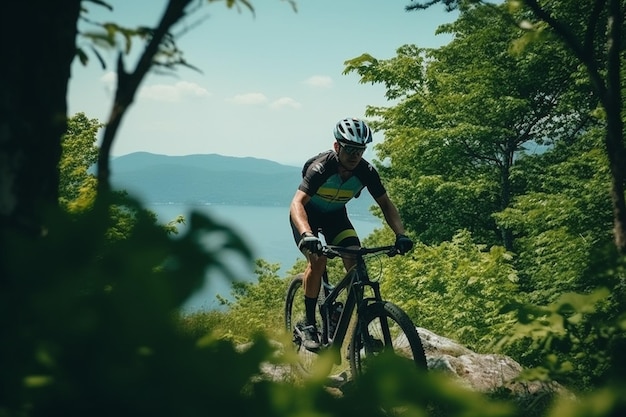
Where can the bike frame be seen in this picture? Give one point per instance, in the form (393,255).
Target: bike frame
(355,281)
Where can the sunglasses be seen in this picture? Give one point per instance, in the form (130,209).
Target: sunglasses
(352,150)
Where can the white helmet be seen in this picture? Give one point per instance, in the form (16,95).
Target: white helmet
(353,132)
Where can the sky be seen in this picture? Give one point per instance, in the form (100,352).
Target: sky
(269,85)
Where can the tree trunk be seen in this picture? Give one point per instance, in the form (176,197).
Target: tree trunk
(38,43)
(505,190)
(615,127)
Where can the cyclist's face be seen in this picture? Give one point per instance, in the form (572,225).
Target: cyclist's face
(350,156)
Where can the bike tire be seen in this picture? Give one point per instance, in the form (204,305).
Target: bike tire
(294,314)
(404,341)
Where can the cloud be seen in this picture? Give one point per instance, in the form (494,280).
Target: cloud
(109,79)
(162,92)
(173,92)
(249,98)
(285,102)
(321,81)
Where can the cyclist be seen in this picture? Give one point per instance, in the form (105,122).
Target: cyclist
(330,180)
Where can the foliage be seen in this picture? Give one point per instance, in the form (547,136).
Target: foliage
(80,153)
(396,388)
(118,309)
(593,32)
(98,36)
(257,307)
(78,185)
(564,244)
(441,207)
(578,340)
(472,283)
(458,141)
(89,308)
(567,209)
(462,119)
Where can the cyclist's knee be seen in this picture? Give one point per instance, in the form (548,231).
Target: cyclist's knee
(317,264)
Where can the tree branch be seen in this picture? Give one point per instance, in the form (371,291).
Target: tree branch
(580,50)
(128,84)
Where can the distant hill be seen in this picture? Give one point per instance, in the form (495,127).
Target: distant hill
(202,179)
(211,179)
(209,162)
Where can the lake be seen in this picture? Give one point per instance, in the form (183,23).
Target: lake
(267,231)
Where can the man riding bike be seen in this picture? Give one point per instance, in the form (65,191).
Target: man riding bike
(330,180)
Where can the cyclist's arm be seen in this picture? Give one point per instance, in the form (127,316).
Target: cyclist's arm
(298,213)
(392,217)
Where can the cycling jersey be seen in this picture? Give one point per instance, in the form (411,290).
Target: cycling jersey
(328,192)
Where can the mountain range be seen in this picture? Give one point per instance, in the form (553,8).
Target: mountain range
(211,179)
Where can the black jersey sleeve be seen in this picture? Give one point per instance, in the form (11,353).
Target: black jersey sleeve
(370,178)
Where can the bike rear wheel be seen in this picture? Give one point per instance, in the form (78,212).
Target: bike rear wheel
(294,315)
(384,326)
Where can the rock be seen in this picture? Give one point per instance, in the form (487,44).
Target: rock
(485,373)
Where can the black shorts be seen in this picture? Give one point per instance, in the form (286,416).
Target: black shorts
(335,225)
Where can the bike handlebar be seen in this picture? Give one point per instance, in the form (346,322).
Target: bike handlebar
(331,251)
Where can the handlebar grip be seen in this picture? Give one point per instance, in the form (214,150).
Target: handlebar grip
(312,244)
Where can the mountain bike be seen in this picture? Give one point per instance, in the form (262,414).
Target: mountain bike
(353,309)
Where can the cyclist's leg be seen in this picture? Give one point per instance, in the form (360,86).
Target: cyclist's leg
(312,279)
(339,231)
(311,283)
(315,264)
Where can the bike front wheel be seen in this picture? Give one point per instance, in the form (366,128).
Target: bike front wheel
(383,326)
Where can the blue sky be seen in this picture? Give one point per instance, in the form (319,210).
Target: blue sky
(271,84)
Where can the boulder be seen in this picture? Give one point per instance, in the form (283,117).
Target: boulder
(480,372)
(485,373)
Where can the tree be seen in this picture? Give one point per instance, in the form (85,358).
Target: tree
(77,186)
(33,86)
(465,115)
(68,291)
(33,112)
(593,31)
(597,43)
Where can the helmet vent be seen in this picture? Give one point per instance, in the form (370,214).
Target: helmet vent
(353,131)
